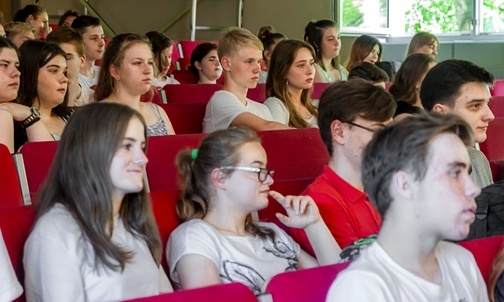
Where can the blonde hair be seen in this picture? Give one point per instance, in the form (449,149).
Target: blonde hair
(15,28)
(235,38)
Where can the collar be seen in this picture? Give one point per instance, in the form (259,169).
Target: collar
(348,191)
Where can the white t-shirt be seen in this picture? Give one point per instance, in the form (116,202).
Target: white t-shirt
(58,264)
(167,81)
(263,76)
(374,276)
(10,288)
(326,78)
(244,259)
(224,107)
(89,82)
(281,114)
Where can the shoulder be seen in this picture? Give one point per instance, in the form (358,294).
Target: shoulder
(50,223)
(454,252)
(223,95)
(273,101)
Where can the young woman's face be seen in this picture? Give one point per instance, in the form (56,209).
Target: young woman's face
(374,55)
(166,60)
(302,70)
(331,43)
(9,74)
(135,72)
(52,82)
(128,164)
(40,22)
(210,68)
(431,50)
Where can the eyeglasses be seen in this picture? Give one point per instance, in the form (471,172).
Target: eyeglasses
(262,173)
(363,127)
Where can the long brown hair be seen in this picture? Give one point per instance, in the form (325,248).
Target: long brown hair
(361,48)
(497,271)
(79,179)
(218,149)
(276,85)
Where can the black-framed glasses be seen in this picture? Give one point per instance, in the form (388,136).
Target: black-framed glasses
(362,127)
(262,173)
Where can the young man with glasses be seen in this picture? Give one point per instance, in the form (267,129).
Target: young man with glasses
(349,114)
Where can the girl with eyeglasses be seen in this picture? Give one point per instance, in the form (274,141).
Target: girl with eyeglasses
(224,181)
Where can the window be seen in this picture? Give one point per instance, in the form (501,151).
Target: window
(493,16)
(365,13)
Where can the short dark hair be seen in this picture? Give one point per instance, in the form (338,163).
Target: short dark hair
(404,146)
(82,23)
(367,71)
(442,83)
(65,34)
(362,47)
(345,101)
(31,9)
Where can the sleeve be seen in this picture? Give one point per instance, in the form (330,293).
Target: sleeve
(278,110)
(10,288)
(358,286)
(52,271)
(191,238)
(164,284)
(222,109)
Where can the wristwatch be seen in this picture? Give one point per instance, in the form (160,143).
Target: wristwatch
(32,119)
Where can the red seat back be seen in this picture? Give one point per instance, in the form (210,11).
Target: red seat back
(38,158)
(184,63)
(10,192)
(153,95)
(190,93)
(497,106)
(185,76)
(175,57)
(231,292)
(295,154)
(493,147)
(318,89)
(161,152)
(257,94)
(186,118)
(498,88)
(304,285)
(484,251)
(16,224)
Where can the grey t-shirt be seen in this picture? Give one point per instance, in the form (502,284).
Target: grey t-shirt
(481,173)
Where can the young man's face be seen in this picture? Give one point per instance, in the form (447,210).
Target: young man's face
(74,60)
(94,39)
(472,106)
(243,66)
(445,204)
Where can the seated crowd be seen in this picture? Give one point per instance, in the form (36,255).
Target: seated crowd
(389,181)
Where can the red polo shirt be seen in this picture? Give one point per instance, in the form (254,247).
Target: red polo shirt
(346,211)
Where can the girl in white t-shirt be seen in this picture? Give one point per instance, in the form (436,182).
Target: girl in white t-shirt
(289,84)
(224,181)
(95,238)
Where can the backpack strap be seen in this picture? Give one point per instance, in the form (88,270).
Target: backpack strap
(481,221)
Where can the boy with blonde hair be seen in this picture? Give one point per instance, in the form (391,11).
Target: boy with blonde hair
(240,53)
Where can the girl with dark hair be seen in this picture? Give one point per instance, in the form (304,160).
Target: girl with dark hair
(126,75)
(324,37)
(365,48)
(44,86)
(68,17)
(269,39)
(407,82)
(95,238)
(224,181)
(289,84)
(37,17)
(10,111)
(205,63)
(162,47)
(423,42)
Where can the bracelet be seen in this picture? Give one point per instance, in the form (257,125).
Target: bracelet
(7,109)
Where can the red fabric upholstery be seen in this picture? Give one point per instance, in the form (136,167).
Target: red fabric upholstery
(184,63)
(497,106)
(257,94)
(175,57)
(484,251)
(38,157)
(304,285)
(16,224)
(10,192)
(498,88)
(185,76)
(190,93)
(387,85)
(318,88)
(218,293)
(493,147)
(295,154)
(153,95)
(161,152)
(186,118)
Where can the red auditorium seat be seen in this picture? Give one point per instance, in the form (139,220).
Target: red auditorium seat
(318,88)
(184,63)
(484,251)
(304,285)
(10,192)
(38,157)
(189,46)
(493,147)
(161,152)
(257,94)
(153,95)
(497,106)
(186,118)
(218,293)
(16,224)
(295,154)
(498,88)
(185,76)
(190,93)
